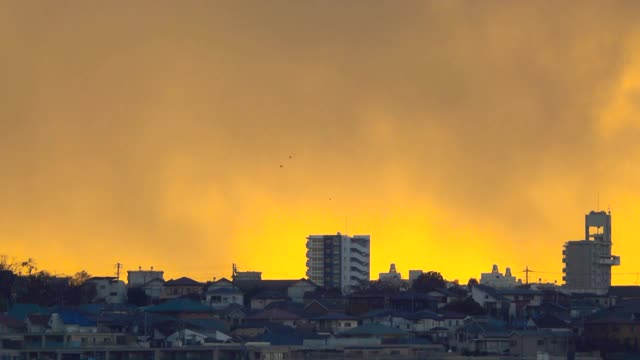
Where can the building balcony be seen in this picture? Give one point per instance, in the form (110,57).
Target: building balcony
(361,248)
(362,258)
(612,261)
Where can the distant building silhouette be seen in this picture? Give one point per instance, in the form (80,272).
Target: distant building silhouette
(391,276)
(496,280)
(588,262)
(338,261)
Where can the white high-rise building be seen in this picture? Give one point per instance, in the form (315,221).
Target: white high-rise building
(588,262)
(338,261)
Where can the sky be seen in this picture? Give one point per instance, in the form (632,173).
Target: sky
(189,135)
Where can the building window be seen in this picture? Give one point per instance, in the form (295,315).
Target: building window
(541,342)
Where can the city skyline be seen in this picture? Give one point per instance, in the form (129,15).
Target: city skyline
(458,135)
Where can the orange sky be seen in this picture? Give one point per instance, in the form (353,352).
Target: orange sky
(456,134)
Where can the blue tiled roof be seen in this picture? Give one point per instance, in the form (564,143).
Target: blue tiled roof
(20,311)
(70,317)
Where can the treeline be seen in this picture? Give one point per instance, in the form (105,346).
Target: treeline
(23,282)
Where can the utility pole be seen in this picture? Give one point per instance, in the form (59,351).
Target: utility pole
(118,266)
(527,271)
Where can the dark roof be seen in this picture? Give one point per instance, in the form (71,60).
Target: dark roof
(374,330)
(269,294)
(290,306)
(10,322)
(70,317)
(110,278)
(39,319)
(224,291)
(20,311)
(279,285)
(183,281)
(453,315)
(413,295)
(625,291)
(333,316)
(490,291)
(549,321)
(424,314)
(206,324)
(179,305)
(273,314)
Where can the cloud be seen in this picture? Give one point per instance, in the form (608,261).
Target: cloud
(153,133)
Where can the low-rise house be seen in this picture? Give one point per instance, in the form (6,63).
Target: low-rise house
(222,297)
(479,327)
(494,303)
(323,306)
(188,337)
(492,343)
(37,323)
(109,289)
(294,290)
(260,300)
(181,287)
(529,343)
(452,320)
(182,308)
(71,321)
(412,301)
(363,302)
(233,315)
(375,331)
(423,321)
(151,281)
(276,316)
(333,322)
(10,325)
(623,293)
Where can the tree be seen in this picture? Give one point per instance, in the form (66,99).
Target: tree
(137,297)
(429,281)
(80,278)
(30,266)
(472,282)
(467,306)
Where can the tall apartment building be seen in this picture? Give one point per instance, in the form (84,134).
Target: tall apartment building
(338,261)
(588,262)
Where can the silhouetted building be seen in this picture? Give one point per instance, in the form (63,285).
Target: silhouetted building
(588,262)
(497,280)
(338,261)
(392,276)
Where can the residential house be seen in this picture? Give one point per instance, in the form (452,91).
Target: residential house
(412,301)
(277,316)
(494,332)
(529,343)
(333,322)
(188,337)
(37,323)
(182,308)
(151,281)
(109,289)
(10,325)
(288,289)
(492,301)
(71,321)
(423,321)
(181,287)
(222,297)
(375,331)
(260,300)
